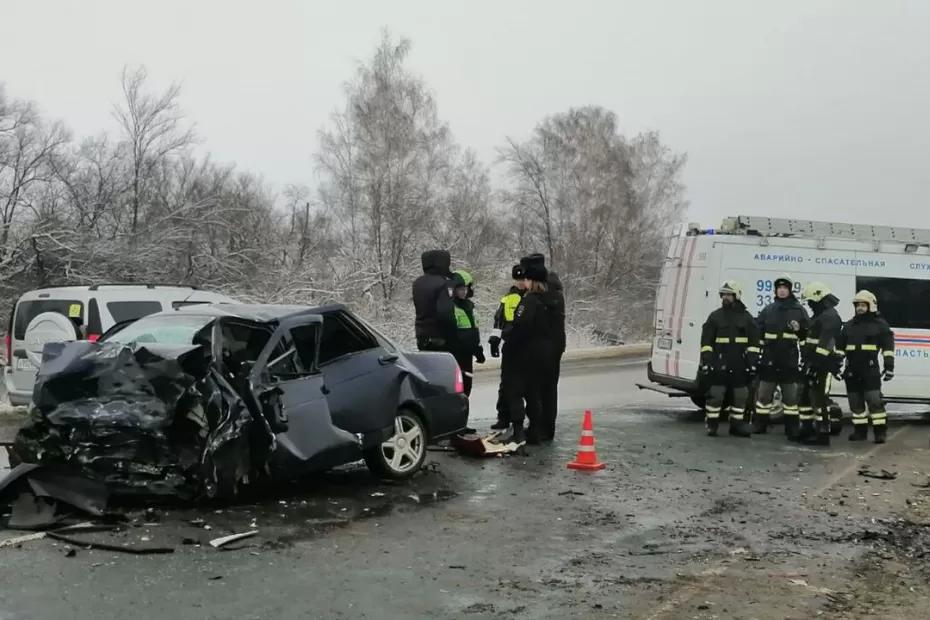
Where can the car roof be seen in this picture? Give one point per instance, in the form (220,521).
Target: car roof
(257,313)
(51,292)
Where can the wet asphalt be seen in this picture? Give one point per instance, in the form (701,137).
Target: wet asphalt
(678,525)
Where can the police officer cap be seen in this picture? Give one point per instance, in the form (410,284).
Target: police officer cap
(533,259)
(535,272)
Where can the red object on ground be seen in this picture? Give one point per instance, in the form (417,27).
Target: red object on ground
(587,456)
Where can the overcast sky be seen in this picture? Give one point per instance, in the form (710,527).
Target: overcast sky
(809,109)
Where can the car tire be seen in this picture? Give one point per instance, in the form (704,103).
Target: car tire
(401,456)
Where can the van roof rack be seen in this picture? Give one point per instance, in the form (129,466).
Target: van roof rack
(782,227)
(97,287)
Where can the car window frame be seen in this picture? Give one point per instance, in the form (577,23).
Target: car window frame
(283,331)
(351,320)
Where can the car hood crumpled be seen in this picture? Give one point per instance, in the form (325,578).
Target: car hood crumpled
(144,420)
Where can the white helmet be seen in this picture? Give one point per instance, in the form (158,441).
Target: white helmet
(731,287)
(866,297)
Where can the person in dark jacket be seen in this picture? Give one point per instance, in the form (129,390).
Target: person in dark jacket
(531,343)
(550,383)
(503,320)
(783,324)
(819,362)
(729,359)
(432,299)
(466,345)
(864,339)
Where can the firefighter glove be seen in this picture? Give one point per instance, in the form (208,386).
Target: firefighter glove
(794,325)
(479,355)
(495,344)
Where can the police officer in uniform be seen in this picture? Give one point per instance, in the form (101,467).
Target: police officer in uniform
(432,299)
(865,338)
(550,383)
(466,346)
(783,324)
(729,359)
(503,319)
(531,342)
(819,363)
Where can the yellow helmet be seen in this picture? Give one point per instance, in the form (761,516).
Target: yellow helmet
(815,291)
(731,287)
(866,297)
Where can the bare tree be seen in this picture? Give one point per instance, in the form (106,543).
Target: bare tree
(153,127)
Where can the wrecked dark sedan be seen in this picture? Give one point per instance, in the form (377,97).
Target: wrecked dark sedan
(206,399)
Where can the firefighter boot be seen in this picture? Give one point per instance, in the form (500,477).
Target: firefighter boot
(739,427)
(712,425)
(760,424)
(808,431)
(792,428)
(836,419)
(879,432)
(519,435)
(860,432)
(820,435)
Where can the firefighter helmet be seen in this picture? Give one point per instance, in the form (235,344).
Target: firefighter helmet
(784,279)
(868,298)
(815,291)
(731,287)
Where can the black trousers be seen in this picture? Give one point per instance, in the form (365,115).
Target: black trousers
(550,396)
(503,411)
(524,390)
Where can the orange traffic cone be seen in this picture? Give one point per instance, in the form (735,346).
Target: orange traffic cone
(587,456)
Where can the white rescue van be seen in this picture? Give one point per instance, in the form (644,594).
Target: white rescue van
(893,263)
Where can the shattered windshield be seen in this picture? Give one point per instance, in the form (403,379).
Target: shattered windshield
(164,329)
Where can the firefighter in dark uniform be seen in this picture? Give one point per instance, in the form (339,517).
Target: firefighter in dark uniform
(503,319)
(550,385)
(531,342)
(819,363)
(864,339)
(466,346)
(783,324)
(729,359)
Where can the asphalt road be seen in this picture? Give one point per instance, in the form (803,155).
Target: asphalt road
(679,525)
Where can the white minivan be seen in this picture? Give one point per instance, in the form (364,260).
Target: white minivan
(69,313)
(893,263)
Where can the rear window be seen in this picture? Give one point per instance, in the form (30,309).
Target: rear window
(28,310)
(132,310)
(177,329)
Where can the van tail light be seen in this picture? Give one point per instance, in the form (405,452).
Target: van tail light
(8,347)
(459,381)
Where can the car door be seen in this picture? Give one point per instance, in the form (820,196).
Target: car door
(291,368)
(363,378)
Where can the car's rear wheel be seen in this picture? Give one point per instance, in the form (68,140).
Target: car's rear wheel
(403,454)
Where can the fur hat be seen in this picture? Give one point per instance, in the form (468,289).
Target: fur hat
(533,259)
(535,272)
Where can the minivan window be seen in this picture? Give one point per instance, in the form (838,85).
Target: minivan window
(131,310)
(28,310)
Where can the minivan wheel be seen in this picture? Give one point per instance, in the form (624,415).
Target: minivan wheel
(403,454)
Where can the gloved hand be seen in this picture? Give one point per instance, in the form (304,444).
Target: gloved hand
(704,369)
(752,370)
(495,343)
(794,325)
(888,375)
(479,356)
